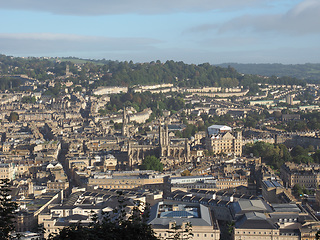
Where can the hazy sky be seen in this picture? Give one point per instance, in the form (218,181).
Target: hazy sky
(193,31)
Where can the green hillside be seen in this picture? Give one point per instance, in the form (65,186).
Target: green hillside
(308,71)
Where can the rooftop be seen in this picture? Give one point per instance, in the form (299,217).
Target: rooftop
(163,213)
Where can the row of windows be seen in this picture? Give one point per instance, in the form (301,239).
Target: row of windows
(306,181)
(57,185)
(231,183)
(287,220)
(121,186)
(3,176)
(264,233)
(120,182)
(196,235)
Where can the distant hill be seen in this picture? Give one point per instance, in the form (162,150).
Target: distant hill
(95,73)
(308,71)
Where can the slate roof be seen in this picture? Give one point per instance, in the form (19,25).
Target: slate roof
(245,206)
(254,220)
(203,219)
(286,207)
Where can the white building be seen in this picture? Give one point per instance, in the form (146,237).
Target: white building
(110,90)
(215,129)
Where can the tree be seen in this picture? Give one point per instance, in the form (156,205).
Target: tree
(102,111)
(152,163)
(116,226)
(189,131)
(177,232)
(300,155)
(14,116)
(117,126)
(231,227)
(272,154)
(28,99)
(298,150)
(316,156)
(7,208)
(298,189)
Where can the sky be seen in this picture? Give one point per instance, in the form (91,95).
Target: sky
(192,31)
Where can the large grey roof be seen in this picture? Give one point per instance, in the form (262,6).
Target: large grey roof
(251,205)
(286,207)
(204,218)
(254,220)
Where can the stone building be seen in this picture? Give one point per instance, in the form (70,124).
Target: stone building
(110,163)
(164,217)
(137,152)
(127,182)
(6,171)
(307,175)
(221,140)
(170,150)
(281,222)
(176,149)
(109,90)
(274,192)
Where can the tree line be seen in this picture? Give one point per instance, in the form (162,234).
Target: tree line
(276,155)
(115,73)
(309,71)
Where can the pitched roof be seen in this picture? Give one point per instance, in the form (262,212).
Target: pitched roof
(254,220)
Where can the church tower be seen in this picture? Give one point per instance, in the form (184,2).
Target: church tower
(238,143)
(164,140)
(186,150)
(68,73)
(124,131)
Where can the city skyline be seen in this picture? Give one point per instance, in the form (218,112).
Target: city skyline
(253,31)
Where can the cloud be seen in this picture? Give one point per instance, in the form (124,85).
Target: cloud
(228,43)
(202,28)
(52,44)
(301,19)
(105,7)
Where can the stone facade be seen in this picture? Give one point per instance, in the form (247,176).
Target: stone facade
(225,143)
